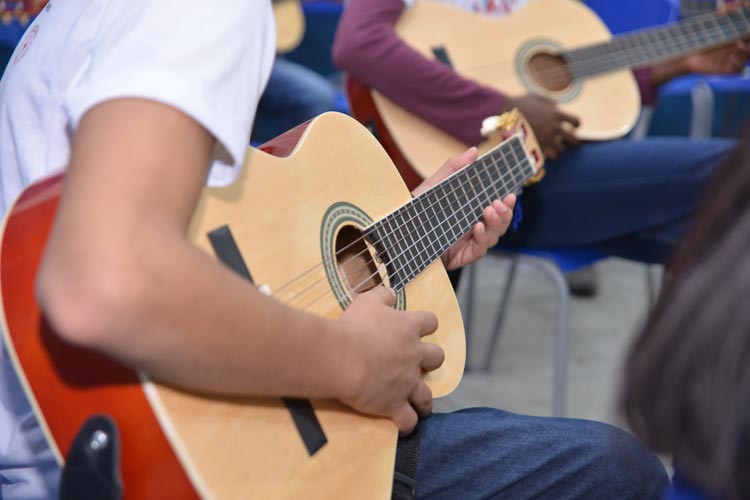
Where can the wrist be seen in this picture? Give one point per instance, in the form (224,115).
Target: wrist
(507,104)
(667,70)
(347,361)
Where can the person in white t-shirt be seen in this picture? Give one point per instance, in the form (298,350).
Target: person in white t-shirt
(141,102)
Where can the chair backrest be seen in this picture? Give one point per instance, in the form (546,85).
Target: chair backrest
(624,16)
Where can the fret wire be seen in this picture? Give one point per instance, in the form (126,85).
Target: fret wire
(480,191)
(497,168)
(435,216)
(463,224)
(432,198)
(443,248)
(644,53)
(488,180)
(392,242)
(404,236)
(506,162)
(448,244)
(468,175)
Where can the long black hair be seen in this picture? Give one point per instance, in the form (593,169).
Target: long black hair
(687,378)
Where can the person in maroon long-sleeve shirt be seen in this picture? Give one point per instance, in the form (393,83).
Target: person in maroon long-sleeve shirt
(627,198)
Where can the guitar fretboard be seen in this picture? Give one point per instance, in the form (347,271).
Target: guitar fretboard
(417,234)
(651,45)
(694,7)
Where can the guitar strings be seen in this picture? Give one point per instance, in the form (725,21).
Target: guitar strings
(367,234)
(548,71)
(679,43)
(502,177)
(630,56)
(626,57)
(366,280)
(483,194)
(564,74)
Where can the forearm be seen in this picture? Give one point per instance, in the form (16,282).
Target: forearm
(652,77)
(221,336)
(367,46)
(120,276)
(662,72)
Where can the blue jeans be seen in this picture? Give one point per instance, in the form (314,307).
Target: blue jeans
(294,94)
(488,453)
(627,198)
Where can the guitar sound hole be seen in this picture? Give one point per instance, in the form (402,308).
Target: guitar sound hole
(550,72)
(355,261)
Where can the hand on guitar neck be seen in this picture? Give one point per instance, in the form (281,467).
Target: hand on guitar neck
(553,128)
(726,60)
(473,246)
(387,385)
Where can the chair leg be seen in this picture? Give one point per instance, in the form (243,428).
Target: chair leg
(702,101)
(500,316)
(562,332)
(650,286)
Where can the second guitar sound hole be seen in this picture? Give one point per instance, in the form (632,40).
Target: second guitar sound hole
(550,72)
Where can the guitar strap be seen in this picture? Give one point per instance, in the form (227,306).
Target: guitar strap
(405,475)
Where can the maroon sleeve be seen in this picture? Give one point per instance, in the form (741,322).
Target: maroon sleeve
(366,45)
(645,83)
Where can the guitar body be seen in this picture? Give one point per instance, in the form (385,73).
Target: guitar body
(496,53)
(290,24)
(177,444)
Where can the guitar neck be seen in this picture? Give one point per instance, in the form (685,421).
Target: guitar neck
(694,7)
(419,232)
(652,45)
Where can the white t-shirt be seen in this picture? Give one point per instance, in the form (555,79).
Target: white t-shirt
(209,60)
(491,7)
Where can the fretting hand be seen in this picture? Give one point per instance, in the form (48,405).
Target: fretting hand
(725,60)
(552,127)
(497,217)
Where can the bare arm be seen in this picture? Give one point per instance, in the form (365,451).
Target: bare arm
(120,276)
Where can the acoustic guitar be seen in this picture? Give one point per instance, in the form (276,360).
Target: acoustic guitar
(555,48)
(290,24)
(318,215)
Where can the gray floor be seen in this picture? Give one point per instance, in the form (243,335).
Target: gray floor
(601,329)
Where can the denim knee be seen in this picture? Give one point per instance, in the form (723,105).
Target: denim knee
(620,466)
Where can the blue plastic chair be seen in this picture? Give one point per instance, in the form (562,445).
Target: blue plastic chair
(621,17)
(701,106)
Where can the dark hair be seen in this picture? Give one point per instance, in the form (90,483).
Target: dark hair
(687,378)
